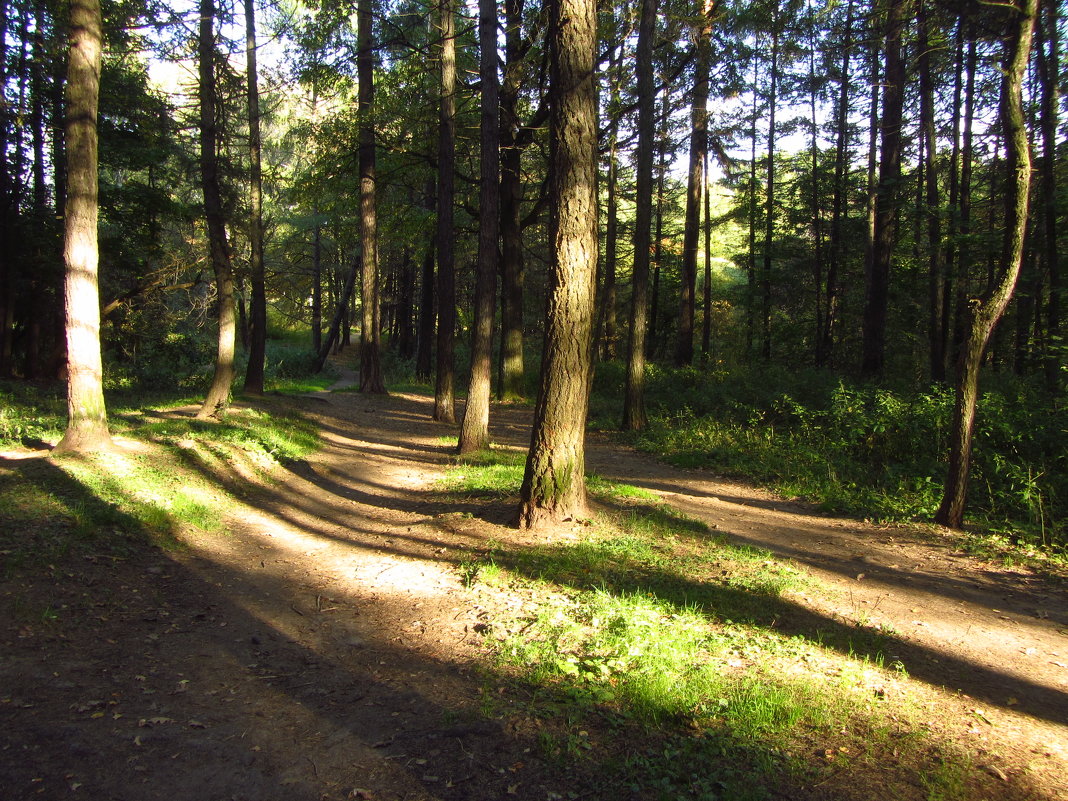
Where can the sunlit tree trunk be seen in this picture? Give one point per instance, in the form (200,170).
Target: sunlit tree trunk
(258,303)
(218,397)
(370,366)
(987,310)
(634,418)
(87,425)
(554,484)
(474,429)
(444,389)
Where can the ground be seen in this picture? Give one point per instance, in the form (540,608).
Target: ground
(327,647)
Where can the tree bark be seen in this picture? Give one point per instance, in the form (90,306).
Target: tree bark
(218,397)
(694,185)
(370,365)
(611,235)
(554,484)
(258,303)
(634,417)
(474,429)
(987,310)
(444,389)
(769,214)
(87,425)
(888,194)
(511,197)
(1049,80)
(931,210)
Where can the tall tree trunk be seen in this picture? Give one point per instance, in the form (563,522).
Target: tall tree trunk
(218,397)
(424,350)
(888,193)
(317,283)
(816,210)
(988,310)
(750,262)
(1049,79)
(611,235)
(694,185)
(634,418)
(706,322)
(825,352)
(444,389)
(87,425)
(554,483)
(950,269)
(769,214)
(935,282)
(510,386)
(258,304)
(964,209)
(653,346)
(474,430)
(370,366)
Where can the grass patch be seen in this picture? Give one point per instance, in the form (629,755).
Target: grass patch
(176,475)
(653,651)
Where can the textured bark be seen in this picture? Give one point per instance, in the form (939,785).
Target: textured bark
(986,311)
(444,388)
(694,185)
(218,397)
(888,194)
(931,207)
(554,485)
(474,429)
(370,365)
(634,417)
(87,426)
(1049,78)
(258,302)
(769,212)
(706,323)
(825,351)
(511,197)
(611,235)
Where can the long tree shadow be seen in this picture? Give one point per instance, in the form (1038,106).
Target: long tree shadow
(718,601)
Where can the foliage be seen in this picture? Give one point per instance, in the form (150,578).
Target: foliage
(862,449)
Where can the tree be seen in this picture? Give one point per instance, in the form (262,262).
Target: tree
(444,391)
(888,192)
(634,417)
(987,310)
(554,484)
(370,367)
(218,397)
(474,430)
(258,311)
(694,184)
(87,425)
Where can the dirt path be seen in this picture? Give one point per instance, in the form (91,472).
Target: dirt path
(327,648)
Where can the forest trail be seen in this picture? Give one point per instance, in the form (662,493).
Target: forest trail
(327,647)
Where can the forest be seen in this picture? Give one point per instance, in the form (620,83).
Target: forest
(817,225)
(415,399)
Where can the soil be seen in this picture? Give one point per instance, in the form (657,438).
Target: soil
(326,647)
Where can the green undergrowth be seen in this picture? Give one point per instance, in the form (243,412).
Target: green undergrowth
(860,449)
(170,473)
(675,665)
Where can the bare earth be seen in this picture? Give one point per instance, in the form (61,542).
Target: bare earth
(327,648)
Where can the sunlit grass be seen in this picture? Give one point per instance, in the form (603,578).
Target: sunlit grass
(648,622)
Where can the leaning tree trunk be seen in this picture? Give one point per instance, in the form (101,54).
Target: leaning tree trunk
(554,485)
(218,397)
(634,418)
(694,185)
(444,389)
(474,430)
(87,424)
(370,365)
(986,311)
(258,311)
